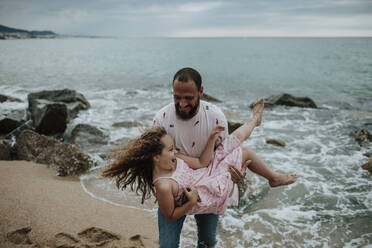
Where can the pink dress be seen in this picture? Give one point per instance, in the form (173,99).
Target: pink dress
(213,183)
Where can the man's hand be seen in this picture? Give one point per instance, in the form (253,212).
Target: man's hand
(236,175)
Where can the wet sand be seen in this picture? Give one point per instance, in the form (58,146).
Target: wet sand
(39,209)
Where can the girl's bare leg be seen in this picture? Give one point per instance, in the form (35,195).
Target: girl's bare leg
(244,131)
(259,167)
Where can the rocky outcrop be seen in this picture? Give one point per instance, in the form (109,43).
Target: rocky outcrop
(11,121)
(49,118)
(65,158)
(7,125)
(25,126)
(208,98)
(88,138)
(50,111)
(289,100)
(4,98)
(275,142)
(362,136)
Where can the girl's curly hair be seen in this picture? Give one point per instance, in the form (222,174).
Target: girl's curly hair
(133,163)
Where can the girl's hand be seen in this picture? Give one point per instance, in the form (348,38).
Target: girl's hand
(216,131)
(192,194)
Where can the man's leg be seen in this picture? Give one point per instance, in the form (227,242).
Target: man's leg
(207,229)
(169,231)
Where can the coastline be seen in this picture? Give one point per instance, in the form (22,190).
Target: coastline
(49,211)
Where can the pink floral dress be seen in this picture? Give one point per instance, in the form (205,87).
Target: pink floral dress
(213,183)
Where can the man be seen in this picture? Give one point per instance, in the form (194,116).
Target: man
(190,121)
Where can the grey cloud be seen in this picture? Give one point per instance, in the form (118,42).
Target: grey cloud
(163,17)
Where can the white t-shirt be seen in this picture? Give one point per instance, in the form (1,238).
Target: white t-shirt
(191,136)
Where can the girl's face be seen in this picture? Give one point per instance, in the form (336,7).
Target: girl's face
(167,158)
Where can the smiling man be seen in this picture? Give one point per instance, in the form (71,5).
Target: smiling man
(190,121)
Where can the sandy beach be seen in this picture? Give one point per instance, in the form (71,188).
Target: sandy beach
(39,209)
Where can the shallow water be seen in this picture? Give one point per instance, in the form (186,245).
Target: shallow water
(124,80)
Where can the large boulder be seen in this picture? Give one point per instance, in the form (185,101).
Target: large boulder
(25,126)
(11,121)
(75,101)
(67,159)
(289,100)
(50,111)
(49,118)
(8,124)
(88,138)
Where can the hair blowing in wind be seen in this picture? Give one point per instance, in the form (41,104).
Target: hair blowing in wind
(133,163)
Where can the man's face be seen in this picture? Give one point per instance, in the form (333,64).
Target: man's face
(186,98)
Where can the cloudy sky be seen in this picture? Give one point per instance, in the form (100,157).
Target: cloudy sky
(198,18)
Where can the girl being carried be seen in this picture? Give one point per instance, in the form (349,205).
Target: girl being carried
(187,185)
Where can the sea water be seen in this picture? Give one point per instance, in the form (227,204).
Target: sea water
(130,79)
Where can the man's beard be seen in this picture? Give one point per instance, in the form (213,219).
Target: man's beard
(190,114)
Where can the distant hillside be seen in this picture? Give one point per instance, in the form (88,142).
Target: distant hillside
(5,29)
(8,32)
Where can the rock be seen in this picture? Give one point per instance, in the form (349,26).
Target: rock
(51,110)
(88,138)
(368,166)
(232,126)
(48,117)
(65,158)
(11,121)
(289,100)
(4,151)
(362,136)
(368,154)
(209,98)
(73,101)
(7,125)
(126,124)
(18,130)
(275,142)
(4,98)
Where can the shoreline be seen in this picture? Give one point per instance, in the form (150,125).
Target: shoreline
(51,211)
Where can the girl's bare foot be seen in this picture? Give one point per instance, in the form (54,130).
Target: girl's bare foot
(283,179)
(257,111)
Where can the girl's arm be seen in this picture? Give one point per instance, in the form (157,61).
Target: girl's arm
(165,199)
(206,156)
